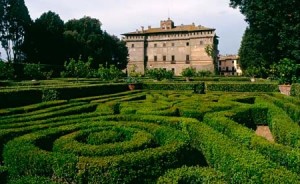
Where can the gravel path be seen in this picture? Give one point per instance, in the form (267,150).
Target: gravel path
(265,132)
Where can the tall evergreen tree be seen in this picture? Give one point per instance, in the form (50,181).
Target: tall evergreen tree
(45,43)
(273,32)
(14,22)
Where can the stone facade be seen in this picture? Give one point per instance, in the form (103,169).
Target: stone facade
(171,47)
(229,65)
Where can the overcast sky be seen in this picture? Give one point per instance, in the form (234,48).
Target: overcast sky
(122,16)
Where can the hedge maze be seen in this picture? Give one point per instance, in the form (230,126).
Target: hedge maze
(157,136)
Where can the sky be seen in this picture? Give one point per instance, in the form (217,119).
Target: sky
(122,16)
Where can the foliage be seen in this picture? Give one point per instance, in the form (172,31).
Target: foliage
(285,71)
(6,70)
(132,71)
(77,68)
(131,80)
(50,95)
(272,34)
(242,87)
(85,38)
(159,74)
(255,71)
(197,87)
(14,21)
(204,73)
(189,72)
(192,175)
(295,91)
(109,74)
(33,71)
(45,41)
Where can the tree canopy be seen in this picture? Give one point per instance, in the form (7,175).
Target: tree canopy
(273,32)
(48,40)
(14,21)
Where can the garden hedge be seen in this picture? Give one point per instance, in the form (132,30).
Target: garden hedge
(238,131)
(15,97)
(241,87)
(192,175)
(236,161)
(295,90)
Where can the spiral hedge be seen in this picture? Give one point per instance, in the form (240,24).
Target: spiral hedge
(152,137)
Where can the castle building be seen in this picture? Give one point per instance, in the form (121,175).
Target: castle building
(172,48)
(229,65)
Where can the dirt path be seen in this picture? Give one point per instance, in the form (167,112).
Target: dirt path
(265,132)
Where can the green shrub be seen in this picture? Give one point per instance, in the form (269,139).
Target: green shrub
(221,121)
(295,90)
(192,175)
(284,130)
(109,74)
(242,87)
(32,180)
(50,95)
(197,87)
(189,72)
(33,71)
(6,70)
(3,174)
(159,74)
(14,98)
(223,153)
(77,68)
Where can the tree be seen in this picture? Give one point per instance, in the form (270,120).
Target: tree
(14,22)
(273,32)
(6,70)
(45,43)
(85,38)
(78,69)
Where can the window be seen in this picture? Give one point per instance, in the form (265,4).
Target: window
(164,58)
(146,58)
(220,63)
(232,61)
(173,44)
(187,58)
(232,69)
(173,58)
(164,44)
(187,43)
(155,58)
(155,45)
(173,70)
(132,45)
(201,42)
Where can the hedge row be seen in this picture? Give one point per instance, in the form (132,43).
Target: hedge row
(91,98)
(295,90)
(197,87)
(241,87)
(71,109)
(15,97)
(240,165)
(221,121)
(28,155)
(289,104)
(192,175)
(284,129)
(30,108)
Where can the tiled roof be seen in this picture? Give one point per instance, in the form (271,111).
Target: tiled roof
(181,28)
